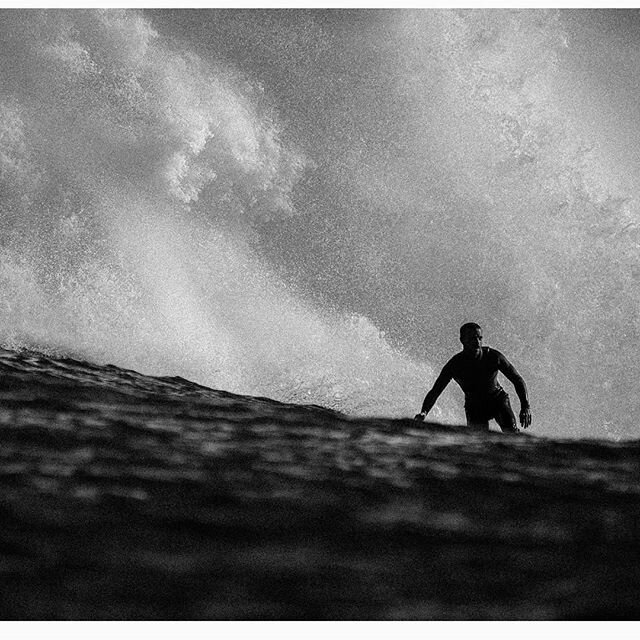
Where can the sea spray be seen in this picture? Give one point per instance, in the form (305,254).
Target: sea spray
(306,205)
(129,171)
(452,185)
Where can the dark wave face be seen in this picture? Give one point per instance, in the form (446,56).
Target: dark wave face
(306,205)
(130,497)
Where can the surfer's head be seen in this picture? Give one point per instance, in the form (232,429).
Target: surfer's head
(471,338)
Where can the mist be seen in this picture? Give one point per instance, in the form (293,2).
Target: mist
(308,204)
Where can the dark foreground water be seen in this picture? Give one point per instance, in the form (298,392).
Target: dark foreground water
(124,496)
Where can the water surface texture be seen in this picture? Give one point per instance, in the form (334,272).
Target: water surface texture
(129,497)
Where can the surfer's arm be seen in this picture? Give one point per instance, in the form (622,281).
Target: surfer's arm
(515,378)
(438,387)
(521,389)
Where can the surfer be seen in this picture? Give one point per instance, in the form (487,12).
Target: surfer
(476,369)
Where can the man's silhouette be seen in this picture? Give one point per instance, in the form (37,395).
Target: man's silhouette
(475,369)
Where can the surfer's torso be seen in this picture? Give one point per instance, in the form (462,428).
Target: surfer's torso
(477,377)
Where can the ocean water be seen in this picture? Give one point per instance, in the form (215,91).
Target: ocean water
(236,249)
(129,497)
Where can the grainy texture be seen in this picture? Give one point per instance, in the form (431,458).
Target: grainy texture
(130,497)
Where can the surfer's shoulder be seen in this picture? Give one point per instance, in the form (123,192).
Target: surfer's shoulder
(494,354)
(454,361)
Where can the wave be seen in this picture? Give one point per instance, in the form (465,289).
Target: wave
(303,207)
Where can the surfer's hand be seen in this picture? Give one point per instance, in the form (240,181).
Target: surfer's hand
(525,417)
(420,417)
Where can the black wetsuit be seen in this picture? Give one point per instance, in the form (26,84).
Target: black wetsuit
(485,399)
